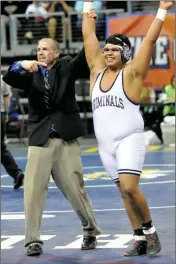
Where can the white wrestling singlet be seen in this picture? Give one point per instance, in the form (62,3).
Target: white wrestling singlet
(118,126)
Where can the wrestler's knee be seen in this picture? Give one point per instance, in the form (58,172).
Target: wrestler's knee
(129,192)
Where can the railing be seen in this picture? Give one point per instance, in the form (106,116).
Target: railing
(25,32)
(20,26)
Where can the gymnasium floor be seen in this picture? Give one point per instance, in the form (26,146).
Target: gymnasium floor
(61,228)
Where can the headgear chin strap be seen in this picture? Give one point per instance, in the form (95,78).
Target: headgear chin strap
(125,52)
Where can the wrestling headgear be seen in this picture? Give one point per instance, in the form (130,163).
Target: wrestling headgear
(123,43)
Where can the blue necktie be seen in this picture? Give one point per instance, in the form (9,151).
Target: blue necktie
(47,97)
(47,90)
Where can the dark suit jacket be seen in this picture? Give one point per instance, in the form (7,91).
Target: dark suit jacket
(64,112)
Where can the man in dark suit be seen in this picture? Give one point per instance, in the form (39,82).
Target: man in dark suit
(54,126)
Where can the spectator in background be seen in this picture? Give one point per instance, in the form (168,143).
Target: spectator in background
(59,6)
(97,5)
(9,8)
(7,159)
(36,8)
(152,115)
(14,125)
(36,24)
(170,94)
(100,26)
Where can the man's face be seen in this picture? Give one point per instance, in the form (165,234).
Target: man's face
(112,55)
(46,52)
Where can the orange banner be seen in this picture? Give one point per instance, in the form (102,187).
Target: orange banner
(136,26)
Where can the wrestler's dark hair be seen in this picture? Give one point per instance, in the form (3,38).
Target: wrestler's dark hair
(112,39)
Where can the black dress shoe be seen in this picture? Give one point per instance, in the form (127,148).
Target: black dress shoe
(89,242)
(34,249)
(19,180)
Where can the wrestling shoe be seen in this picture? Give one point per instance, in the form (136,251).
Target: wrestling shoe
(153,244)
(137,248)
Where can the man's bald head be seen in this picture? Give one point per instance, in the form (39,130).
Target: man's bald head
(51,42)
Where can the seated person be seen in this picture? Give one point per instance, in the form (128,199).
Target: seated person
(59,6)
(36,25)
(170,93)
(36,8)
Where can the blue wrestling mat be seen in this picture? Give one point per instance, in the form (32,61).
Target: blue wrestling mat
(61,229)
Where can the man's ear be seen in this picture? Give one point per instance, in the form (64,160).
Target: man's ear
(57,53)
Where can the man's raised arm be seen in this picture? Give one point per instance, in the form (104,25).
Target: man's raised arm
(141,62)
(93,52)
